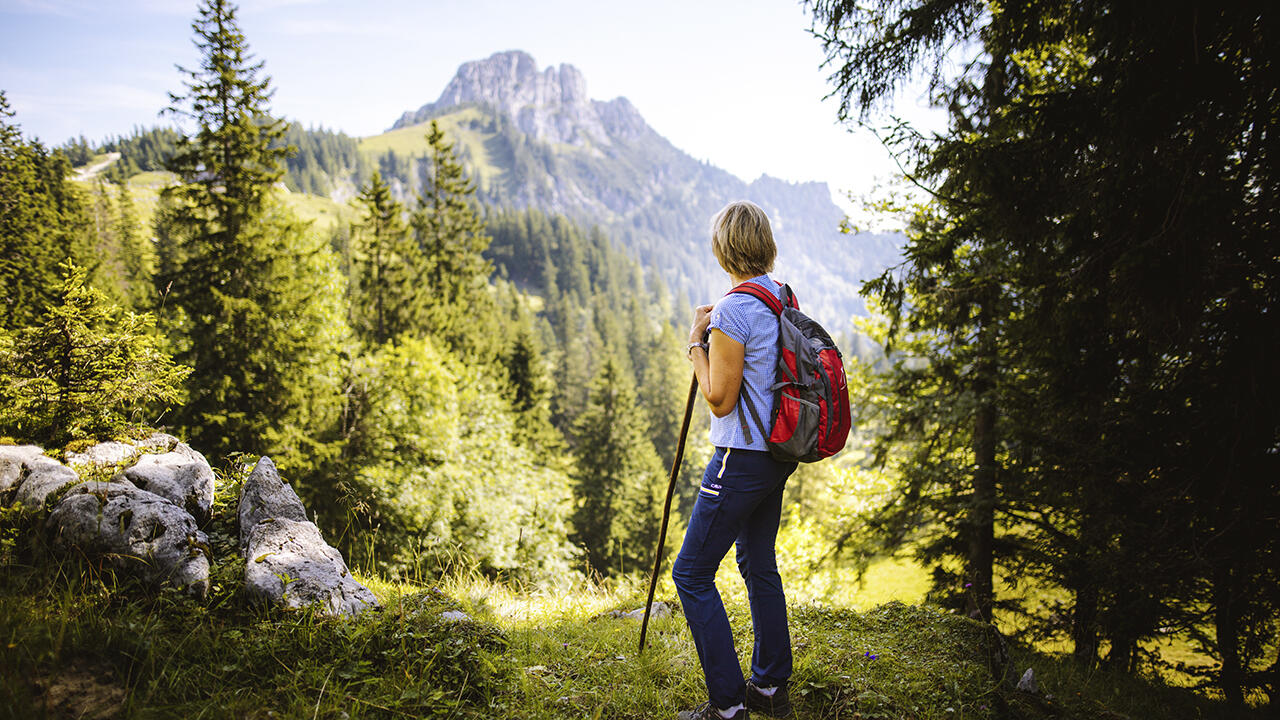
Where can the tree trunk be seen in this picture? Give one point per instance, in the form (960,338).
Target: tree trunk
(1084,624)
(982,512)
(1227,628)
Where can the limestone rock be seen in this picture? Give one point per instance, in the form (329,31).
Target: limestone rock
(182,476)
(290,563)
(102,455)
(287,561)
(43,477)
(13,465)
(135,530)
(111,453)
(551,105)
(266,495)
(658,609)
(1028,682)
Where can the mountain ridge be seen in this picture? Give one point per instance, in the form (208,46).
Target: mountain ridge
(600,163)
(551,105)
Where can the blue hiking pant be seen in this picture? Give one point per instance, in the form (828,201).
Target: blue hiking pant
(740,502)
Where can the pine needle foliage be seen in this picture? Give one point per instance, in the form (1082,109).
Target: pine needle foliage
(43,221)
(388,294)
(86,370)
(251,294)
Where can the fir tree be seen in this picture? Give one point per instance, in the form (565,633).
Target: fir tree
(251,293)
(87,369)
(452,236)
(388,297)
(43,222)
(618,481)
(229,165)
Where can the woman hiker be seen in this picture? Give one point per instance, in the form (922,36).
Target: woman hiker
(740,500)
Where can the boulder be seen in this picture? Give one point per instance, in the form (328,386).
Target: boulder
(287,561)
(161,464)
(13,465)
(43,477)
(102,455)
(290,564)
(1028,682)
(135,530)
(658,609)
(181,475)
(112,453)
(265,495)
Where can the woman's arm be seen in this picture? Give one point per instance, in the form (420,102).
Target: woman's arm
(719,370)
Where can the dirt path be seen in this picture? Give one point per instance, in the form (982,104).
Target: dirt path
(90,171)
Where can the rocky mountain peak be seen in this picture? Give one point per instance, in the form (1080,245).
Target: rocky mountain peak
(551,104)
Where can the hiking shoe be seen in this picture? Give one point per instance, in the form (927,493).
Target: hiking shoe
(776,705)
(706,712)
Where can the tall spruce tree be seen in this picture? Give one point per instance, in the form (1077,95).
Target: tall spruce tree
(388,294)
(250,292)
(1122,171)
(618,480)
(452,236)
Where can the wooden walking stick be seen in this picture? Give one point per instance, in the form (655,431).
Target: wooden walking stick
(666,508)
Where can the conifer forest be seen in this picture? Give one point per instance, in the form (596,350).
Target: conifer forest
(1064,371)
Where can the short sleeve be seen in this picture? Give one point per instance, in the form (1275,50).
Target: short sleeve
(729,317)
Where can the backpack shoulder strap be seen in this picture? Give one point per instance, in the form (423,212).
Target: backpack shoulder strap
(790,296)
(768,298)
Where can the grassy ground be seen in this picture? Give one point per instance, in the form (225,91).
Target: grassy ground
(76,640)
(78,643)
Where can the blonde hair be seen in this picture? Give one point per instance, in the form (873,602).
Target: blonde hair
(742,240)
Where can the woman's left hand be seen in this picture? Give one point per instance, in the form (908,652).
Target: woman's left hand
(701,319)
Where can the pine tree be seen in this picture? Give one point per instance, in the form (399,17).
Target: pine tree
(87,369)
(388,297)
(452,236)
(618,481)
(528,377)
(1102,229)
(251,294)
(43,222)
(229,165)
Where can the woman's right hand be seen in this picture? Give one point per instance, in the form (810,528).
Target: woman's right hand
(701,319)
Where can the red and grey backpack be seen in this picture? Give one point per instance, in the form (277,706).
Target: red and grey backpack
(810,418)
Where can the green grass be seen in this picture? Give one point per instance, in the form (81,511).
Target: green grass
(412,141)
(77,640)
(322,212)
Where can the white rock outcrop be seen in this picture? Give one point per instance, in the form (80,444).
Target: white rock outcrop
(13,466)
(160,463)
(42,477)
(136,530)
(102,455)
(287,561)
(181,475)
(551,105)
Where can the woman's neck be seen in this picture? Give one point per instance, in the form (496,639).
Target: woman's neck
(739,279)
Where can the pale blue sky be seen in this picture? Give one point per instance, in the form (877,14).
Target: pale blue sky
(736,83)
